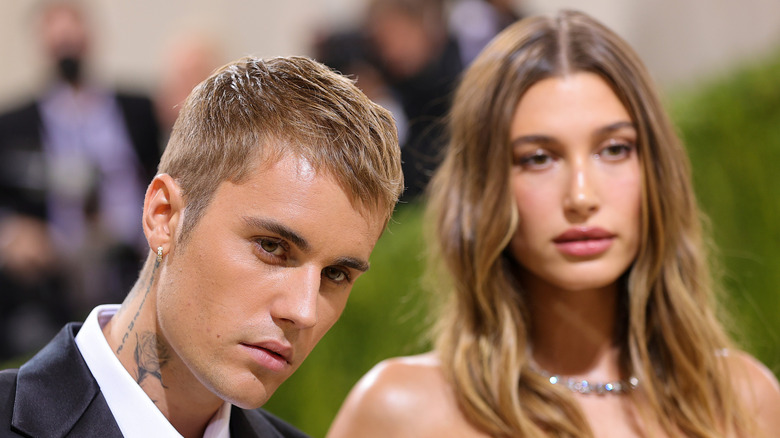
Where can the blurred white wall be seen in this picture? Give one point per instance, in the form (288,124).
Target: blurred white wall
(683,41)
(680,40)
(130,37)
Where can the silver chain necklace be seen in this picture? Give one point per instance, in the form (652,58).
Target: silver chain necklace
(583,386)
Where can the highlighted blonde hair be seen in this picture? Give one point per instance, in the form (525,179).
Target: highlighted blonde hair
(668,330)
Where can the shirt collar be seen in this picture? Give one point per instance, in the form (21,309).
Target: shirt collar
(135,413)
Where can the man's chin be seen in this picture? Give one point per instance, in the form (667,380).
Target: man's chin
(249,396)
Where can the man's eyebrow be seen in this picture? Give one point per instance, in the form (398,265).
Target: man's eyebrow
(354,263)
(282,230)
(286,233)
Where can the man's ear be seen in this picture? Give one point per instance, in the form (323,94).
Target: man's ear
(163,209)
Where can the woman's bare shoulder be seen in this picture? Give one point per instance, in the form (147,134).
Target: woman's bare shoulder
(404,396)
(401,383)
(759,390)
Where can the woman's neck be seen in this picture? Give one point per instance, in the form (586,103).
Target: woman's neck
(573,332)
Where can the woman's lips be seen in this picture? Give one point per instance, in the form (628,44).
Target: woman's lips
(584,241)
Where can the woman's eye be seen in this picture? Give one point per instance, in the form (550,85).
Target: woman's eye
(616,151)
(272,246)
(536,160)
(335,274)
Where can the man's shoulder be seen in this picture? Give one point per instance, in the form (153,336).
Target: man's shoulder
(283,427)
(54,394)
(56,375)
(133,100)
(23,117)
(8,378)
(7,388)
(19,109)
(262,422)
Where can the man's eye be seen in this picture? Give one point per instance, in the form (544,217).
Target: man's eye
(272,246)
(335,274)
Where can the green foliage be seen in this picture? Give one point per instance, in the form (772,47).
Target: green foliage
(732,130)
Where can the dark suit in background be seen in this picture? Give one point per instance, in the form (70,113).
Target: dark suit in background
(74,163)
(35,304)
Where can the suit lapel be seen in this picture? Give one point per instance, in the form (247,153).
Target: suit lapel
(57,396)
(250,424)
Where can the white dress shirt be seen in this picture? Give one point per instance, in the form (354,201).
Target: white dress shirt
(135,413)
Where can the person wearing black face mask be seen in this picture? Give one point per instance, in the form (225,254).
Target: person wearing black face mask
(72,163)
(69,68)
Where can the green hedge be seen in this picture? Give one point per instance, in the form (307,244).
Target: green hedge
(732,129)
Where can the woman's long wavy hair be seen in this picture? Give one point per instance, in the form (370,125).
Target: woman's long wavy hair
(669,333)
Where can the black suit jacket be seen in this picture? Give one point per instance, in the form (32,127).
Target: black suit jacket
(55,395)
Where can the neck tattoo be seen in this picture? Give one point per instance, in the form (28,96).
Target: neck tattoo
(587,387)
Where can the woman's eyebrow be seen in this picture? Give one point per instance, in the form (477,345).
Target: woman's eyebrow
(532,138)
(617,126)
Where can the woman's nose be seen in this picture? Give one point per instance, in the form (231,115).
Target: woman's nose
(581,197)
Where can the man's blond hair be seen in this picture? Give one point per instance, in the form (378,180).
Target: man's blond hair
(257,110)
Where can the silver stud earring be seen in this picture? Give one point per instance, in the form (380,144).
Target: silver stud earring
(159,254)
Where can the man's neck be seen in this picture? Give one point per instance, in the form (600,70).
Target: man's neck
(135,338)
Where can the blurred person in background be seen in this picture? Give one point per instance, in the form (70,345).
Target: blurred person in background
(418,58)
(567,244)
(474,23)
(348,52)
(189,58)
(73,163)
(407,55)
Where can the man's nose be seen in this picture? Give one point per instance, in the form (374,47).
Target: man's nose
(297,304)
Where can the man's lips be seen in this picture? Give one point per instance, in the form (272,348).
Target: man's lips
(270,354)
(584,241)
